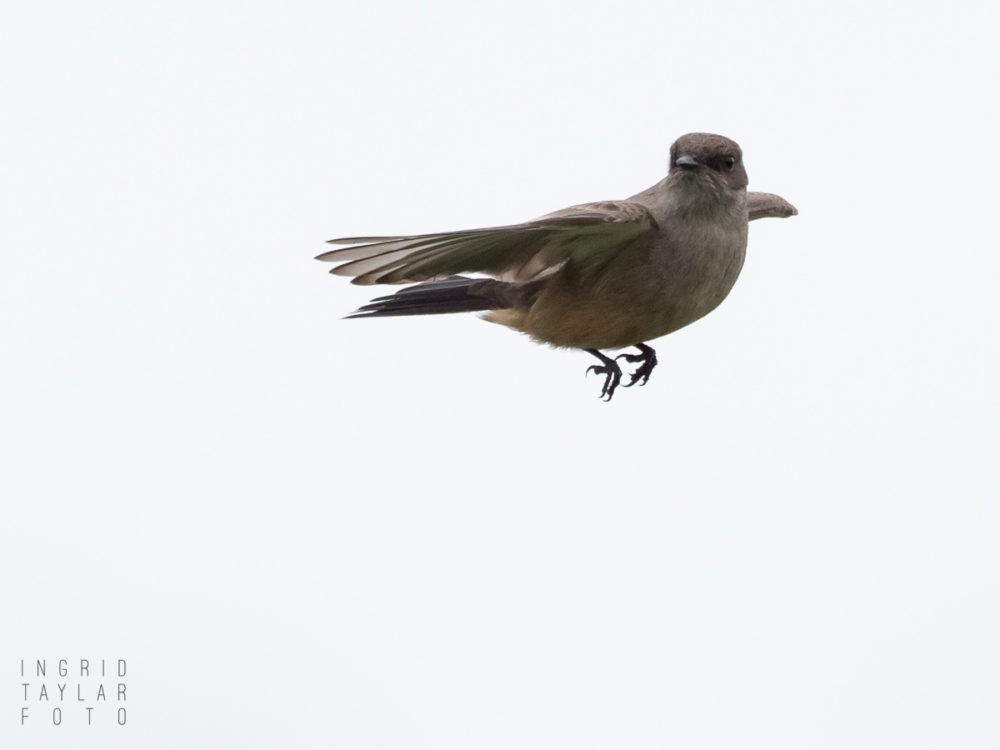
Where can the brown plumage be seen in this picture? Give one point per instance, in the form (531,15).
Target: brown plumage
(595,276)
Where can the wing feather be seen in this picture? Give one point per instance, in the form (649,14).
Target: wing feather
(588,234)
(763,205)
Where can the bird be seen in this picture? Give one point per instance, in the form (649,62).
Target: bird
(596,276)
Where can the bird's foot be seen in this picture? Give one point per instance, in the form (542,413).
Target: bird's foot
(612,377)
(610,370)
(648,358)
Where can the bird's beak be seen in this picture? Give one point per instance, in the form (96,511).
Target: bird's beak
(687,161)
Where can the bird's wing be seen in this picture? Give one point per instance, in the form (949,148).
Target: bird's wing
(762,205)
(588,235)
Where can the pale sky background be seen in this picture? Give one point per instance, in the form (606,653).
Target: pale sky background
(302,531)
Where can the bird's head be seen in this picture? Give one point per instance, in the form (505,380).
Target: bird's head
(704,156)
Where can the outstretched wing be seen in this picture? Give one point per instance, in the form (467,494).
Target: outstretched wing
(588,234)
(762,205)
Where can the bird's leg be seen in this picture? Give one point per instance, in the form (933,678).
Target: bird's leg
(611,371)
(648,358)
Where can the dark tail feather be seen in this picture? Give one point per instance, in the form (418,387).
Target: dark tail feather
(454,294)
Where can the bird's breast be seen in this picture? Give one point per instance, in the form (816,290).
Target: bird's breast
(696,272)
(654,289)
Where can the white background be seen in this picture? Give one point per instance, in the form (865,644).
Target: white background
(302,531)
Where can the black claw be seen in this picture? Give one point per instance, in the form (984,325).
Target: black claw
(648,358)
(610,370)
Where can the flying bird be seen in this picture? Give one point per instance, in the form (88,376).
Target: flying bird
(605,275)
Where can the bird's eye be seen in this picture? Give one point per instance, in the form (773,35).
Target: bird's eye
(728,163)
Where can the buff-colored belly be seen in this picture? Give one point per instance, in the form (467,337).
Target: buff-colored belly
(636,309)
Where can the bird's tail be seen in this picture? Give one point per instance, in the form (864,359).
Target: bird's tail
(454,294)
